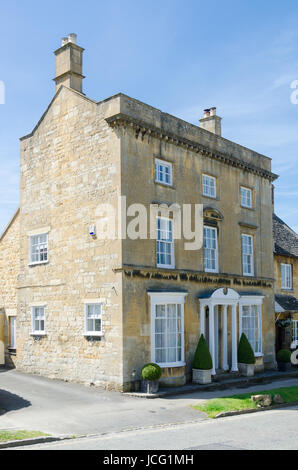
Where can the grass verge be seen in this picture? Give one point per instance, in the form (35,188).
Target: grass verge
(216,406)
(6,436)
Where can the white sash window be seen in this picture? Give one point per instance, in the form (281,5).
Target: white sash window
(250,322)
(165,243)
(163,172)
(167,329)
(39,248)
(247,255)
(38,320)
(286,276)
(210,250)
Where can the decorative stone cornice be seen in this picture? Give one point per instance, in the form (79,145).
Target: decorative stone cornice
(142,129)
(200,277)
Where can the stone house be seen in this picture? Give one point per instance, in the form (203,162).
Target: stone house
(95,309)
(286,283)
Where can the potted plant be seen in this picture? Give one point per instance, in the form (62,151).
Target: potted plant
(246,357)
(151,374)
(284,360)
(202,364)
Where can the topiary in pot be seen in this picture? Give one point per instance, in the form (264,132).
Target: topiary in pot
(202,363)
(151,374)
(246,357)
(283,360)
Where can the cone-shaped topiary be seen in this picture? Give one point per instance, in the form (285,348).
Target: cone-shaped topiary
(202,359)
(151,372)
(245,351)
(284,355)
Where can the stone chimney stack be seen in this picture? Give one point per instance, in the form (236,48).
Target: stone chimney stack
(211,122)
(69,64)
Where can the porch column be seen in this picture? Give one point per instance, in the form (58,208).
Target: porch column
(2,347)
(234,340)
(211,336)
(225,364)
(203,320)
(216,337)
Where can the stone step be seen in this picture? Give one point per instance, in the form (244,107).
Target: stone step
(231,381)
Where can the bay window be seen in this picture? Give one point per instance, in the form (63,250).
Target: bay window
(167,329)
(250,323)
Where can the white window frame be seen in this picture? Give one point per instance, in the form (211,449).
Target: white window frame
(160,172)
(34,331)
(207,270)
(171,243)
(286,275)
(167,298)
(93,333)
(250,302)
(295,331)
(244,197)
(245,272)
(33,263)
(12,338)
(205,185)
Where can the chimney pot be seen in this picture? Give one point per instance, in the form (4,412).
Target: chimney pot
(64,41)
(72,37)
(211,122)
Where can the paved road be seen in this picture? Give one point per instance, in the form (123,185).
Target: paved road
(59,408)
(274,430)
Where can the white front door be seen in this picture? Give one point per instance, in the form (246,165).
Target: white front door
(13,332)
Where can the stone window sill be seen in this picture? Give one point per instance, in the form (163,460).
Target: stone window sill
(38,264)
(96,335)
(172,365)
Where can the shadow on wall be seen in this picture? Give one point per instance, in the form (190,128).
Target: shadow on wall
(11,402)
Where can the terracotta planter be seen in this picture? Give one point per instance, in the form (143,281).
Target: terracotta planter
(200,376)
(247,370)
(150,386)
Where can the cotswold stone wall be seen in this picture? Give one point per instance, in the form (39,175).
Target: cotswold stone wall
(70,165)
(278,260)
(138,155)
(9,272)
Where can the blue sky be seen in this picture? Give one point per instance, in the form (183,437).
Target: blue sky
(179,56)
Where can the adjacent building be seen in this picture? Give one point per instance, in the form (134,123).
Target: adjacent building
(286,284)
(95,309)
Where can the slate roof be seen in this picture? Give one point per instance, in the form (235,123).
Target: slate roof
(285,239)
(287,302)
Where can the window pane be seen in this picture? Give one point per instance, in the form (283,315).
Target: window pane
(164,245)
(168,333)
(93,318)
(210,249)
(209,186)
(39,248)
(251,326)
(163,172)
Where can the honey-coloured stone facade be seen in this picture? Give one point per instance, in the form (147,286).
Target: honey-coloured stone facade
(84,154)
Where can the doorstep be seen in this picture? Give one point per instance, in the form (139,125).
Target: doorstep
(225,382)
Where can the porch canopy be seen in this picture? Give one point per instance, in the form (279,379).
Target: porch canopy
(225,297)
